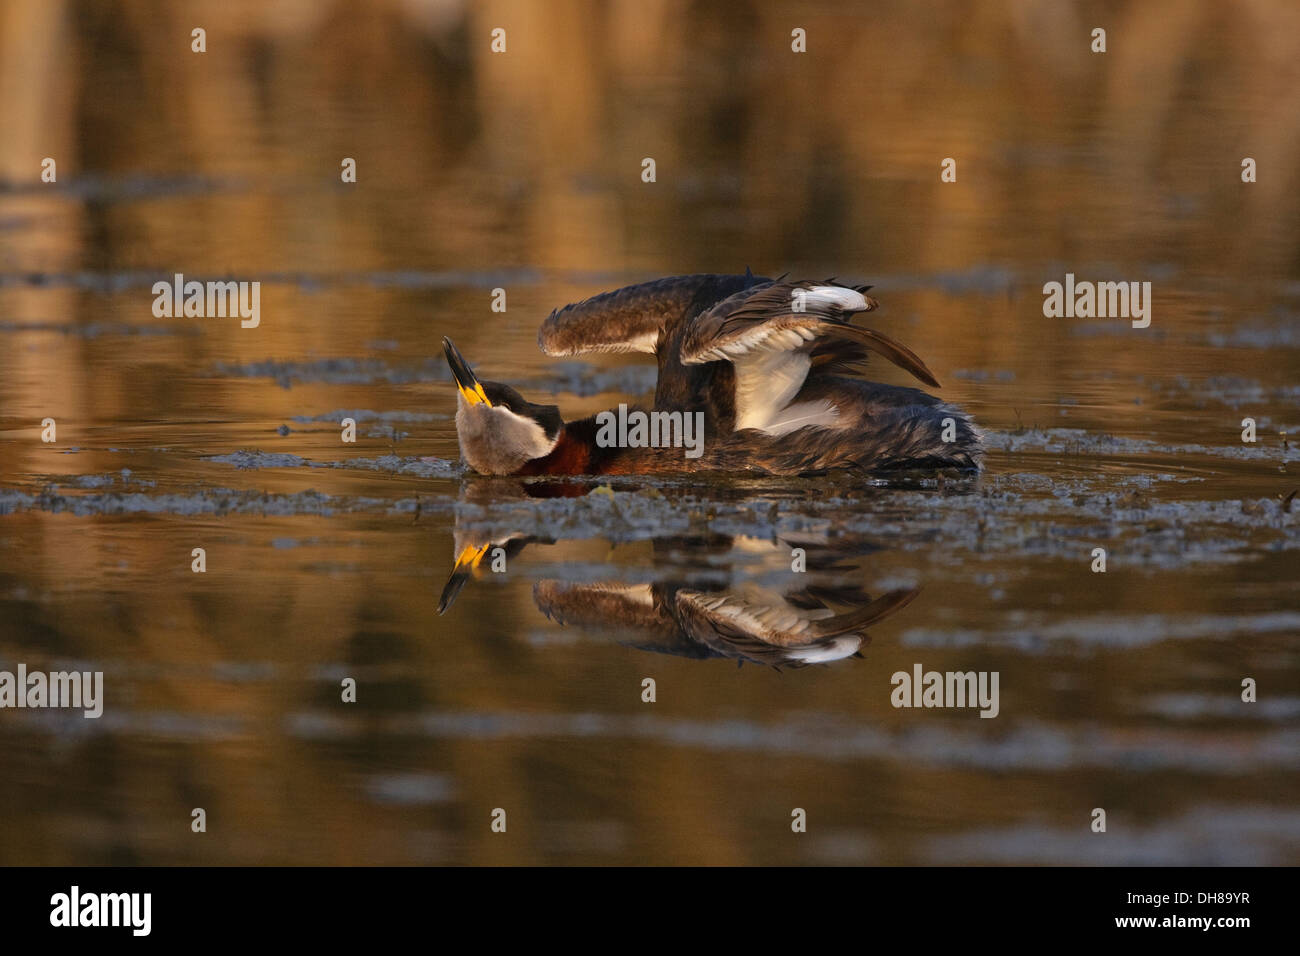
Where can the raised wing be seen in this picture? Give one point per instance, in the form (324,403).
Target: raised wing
(786,316)
(633,318)
(774,333)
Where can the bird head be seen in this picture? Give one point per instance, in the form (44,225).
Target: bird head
(499,430)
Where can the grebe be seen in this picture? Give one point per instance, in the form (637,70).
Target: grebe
(812,621)
(762,359)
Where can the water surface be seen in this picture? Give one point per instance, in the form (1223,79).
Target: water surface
(326,560)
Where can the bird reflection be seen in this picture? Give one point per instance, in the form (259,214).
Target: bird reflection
(712,596)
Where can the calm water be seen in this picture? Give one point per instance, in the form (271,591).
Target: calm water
(521,171)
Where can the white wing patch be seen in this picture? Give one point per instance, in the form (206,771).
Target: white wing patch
(850,300)
(766,383)
(646,342)
(837,649)
(802,415)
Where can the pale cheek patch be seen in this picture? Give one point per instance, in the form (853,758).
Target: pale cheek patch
(496,441)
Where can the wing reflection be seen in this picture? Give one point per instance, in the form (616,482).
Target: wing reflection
(710,596)
(750,624)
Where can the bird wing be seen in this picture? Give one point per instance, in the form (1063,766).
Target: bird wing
(601,603)
(632,319)
(782,317)
(632,612)
(774,334)
(777,632)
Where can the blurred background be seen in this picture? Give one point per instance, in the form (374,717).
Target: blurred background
(522,171)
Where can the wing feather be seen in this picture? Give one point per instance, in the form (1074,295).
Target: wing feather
(633,318)
(781,633)
(786,316)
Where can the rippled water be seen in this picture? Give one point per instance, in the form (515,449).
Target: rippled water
(327,561)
